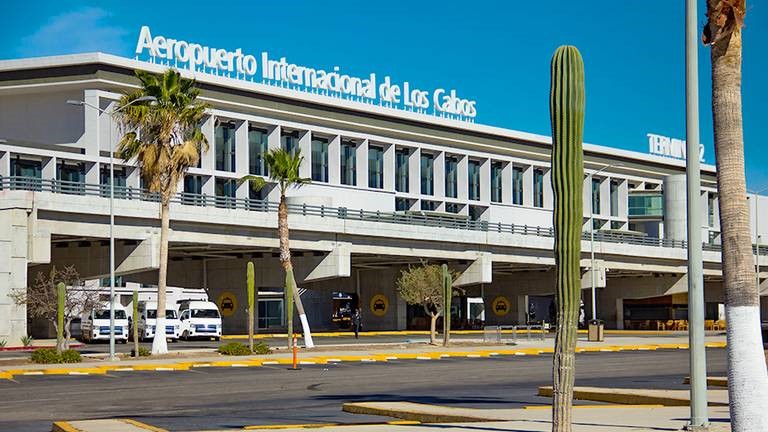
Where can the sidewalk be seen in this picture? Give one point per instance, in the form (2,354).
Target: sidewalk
(610,418)
(180,360)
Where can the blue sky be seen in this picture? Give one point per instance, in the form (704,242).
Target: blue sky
(495,52)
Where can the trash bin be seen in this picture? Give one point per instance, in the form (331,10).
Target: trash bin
(596,331)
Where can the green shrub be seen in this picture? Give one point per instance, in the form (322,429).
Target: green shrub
(234,349)
(143,352)
(261,348)
(45,356)
(3,343)
(71,356)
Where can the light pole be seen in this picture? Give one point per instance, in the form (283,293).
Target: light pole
(592,235)
(698,361)
(112,355)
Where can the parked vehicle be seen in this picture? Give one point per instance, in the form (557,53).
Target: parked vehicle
(95,324)
(199,319)
(146,321)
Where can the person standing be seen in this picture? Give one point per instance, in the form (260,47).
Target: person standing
(357,322)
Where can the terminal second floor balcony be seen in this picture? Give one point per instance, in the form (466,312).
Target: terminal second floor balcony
(77,197)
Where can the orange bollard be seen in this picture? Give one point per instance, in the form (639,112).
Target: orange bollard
(295,353)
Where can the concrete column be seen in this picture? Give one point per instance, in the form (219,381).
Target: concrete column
(414,171)
(439,174)
(48,170)
(506,183)
(273,138)
(209,186)
(207,161)
(241,148)
(549,195)
(361,154)
(90,139)
(620,314)
(13,272)
(675,219)
(92,173)
(334,160)
(587,196)
(5,164)
(623,199)
(522,308)
(605,197)
(389,167)
(485,180)
(528,186)
(462,177)
(305,144)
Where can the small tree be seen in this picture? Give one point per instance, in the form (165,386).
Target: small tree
(42,300)
(423,285)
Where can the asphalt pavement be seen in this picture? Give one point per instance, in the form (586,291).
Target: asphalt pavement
(232,397)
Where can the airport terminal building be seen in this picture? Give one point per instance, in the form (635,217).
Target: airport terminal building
(391,186)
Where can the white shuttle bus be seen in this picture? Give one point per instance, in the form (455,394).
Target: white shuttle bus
(146,321)
(199,319)
(95,324)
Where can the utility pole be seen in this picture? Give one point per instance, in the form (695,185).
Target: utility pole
(698,362)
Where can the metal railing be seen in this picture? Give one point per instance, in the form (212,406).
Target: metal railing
(431,220)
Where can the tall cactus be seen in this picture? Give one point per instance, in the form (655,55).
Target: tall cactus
(135,322)
(250,276)
(61,293)
(566,106)
(447,298)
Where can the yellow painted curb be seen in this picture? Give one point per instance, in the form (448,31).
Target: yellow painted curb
(141,425)
(62,426)
(625,398)
(547,407)
(408,414)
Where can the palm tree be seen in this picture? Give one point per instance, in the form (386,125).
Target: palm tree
(283,167)
(165,139)
(747,375)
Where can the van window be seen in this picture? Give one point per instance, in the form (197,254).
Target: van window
(169,313)
(104,314)
(205,313)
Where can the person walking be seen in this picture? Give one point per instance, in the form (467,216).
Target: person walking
(357,322)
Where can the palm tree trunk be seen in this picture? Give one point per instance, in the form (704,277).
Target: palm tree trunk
(159,344)
(433,329)
(747,375)
(285,260)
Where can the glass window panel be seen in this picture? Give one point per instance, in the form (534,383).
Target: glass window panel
(473,180)
(225,192)
(401,168)
(538,188)
(451,177)
(257,149)
(225,147)
(596,196)
(348,163)
(496,181)
(289,141)
(614,198)
(376,167)
(427,174)
(517,185)
(319,159)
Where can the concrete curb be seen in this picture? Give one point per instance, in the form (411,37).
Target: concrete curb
(62,426)
(455,332)
(422,413)
(626,396)
(248,361)
(711,381)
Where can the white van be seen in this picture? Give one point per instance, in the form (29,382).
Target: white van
(147,317)
(95,324)
(199,319)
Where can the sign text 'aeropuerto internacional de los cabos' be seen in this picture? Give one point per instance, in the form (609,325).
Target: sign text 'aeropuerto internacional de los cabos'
(278,72)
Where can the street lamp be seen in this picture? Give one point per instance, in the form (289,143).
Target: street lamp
(758,237)
(592,235)
(112,355)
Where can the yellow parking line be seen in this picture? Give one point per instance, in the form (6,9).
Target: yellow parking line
(62,426)
(144,426)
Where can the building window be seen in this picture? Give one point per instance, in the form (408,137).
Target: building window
(429,205)
(427,174)
(348,163)
(538,188)
(645,205)
(476,212)
(614,198)
(225,147)
(496,181)
(375,167)
(402,204)
(270,313)
(120,177)
(225,192)
(453,207)
(451,177)
(27,172)
(289,141)
(71,176)
(257,149)
(517,185)
(711,209)
(401,170)
(473,180)
(595,196)
(319,159)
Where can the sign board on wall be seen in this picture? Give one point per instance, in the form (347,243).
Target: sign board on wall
(368,89)
(670,147)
